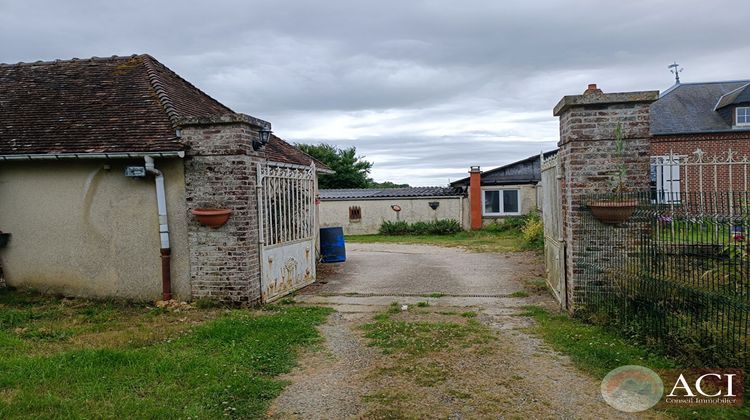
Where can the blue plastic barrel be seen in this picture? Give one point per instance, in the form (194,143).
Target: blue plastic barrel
(332,247)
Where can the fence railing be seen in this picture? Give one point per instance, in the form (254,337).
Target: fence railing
(677,273)
(674,174)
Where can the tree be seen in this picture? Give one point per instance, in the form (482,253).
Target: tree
(387,184)
(351,170)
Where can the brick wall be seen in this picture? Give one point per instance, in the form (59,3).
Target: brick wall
(713,144)
(220,171)
(587,157)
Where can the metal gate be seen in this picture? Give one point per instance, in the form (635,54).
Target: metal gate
(286,213)
(554,243)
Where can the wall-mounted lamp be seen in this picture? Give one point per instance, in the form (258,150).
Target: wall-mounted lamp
(263,138)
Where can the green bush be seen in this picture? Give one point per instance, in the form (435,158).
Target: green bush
(508,224)
(394,228)
(532,231)
(445,227)
(437,227)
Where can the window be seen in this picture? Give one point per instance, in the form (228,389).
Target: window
(743,116)
(665,179)
(501,202)
(355,214)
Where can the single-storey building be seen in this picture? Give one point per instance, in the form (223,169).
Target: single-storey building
(508,191)
(104,163)
(362,211)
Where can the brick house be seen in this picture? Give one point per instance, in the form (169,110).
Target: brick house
(711,117)
(102,162)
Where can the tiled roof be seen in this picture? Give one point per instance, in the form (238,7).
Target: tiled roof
(280,151)
(376,193)
(689,108)
(98,105)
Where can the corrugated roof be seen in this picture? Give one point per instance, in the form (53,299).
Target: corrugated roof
(524,171)
(375,193)
(691,108)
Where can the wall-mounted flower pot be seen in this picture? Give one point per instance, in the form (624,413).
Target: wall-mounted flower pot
(214,218)
(613,212)
(4,238)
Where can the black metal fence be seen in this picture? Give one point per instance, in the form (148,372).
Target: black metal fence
(676,273)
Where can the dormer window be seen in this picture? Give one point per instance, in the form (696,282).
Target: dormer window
(743,116)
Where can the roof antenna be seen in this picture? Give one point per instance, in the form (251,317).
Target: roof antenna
(675,69)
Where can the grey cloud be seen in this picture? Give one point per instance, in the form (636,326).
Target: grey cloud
(404,81)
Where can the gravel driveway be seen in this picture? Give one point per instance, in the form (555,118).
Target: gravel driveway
(390,269)
(522,377)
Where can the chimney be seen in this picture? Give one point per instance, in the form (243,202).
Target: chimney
(475,197)
(592,89)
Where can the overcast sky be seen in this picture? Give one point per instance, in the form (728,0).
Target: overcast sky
(423,89)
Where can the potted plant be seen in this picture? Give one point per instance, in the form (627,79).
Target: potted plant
(617,207)
(212,217)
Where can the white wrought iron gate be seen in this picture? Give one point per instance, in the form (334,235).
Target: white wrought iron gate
(286,213)
(554,244)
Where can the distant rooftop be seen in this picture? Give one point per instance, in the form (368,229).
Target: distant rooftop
(524,171)
(384,193)
(689,108)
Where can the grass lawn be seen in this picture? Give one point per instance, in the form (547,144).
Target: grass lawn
(425,356)
(596,350)
(74,358)
(477,241)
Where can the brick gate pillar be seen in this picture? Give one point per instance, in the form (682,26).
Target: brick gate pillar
(220,171)
(587,158)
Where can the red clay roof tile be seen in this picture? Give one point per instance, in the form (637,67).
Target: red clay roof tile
(115,104)
(280,151)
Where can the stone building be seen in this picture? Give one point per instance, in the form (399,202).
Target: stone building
(104,160)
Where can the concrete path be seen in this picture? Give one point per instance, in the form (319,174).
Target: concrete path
(338,382)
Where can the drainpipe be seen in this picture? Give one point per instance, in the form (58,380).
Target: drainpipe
(166,252)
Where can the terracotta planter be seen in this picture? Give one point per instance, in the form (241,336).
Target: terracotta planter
(613,212)
(214,218)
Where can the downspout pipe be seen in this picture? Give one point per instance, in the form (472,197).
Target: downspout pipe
(165,251)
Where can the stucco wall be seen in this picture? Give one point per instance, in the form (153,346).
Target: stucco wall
(81,229)
(375,212)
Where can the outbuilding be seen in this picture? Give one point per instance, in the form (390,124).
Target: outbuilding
(105,162)
(362,211)
(507,191)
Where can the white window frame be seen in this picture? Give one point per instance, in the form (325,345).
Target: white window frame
(500,189)
(668,183)
(746,110)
